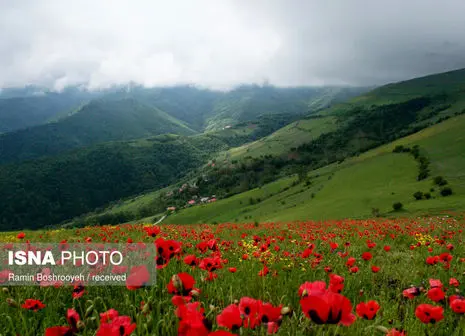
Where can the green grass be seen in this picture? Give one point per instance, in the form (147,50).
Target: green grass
(281,141)
(375,179)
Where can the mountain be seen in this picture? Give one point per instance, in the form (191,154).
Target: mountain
(207,110)
(136,112)
(249,102)
(100,120)
(186,103)
(331,137)
(19,109)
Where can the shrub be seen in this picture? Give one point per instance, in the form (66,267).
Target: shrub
(423,174)
(415,151)
(397,206)
(418,195)
(427,195)
(398,149)
(440,181)
(446,191)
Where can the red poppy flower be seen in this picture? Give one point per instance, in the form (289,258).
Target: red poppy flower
(21,235)
(272,328)
(230,317)
(395,332)
(59,331)
(220,333)
(249,306)
(191,260)
(166,249)
(367,256)
(454,282)
(387,248)
(435,283)
(458,306)
(268,313)
(78,291)
(375,269)
(211,264)
(192,320)
(336,283)
(211,276)
(32,304)
(350,262)
(445,257)
(108,315)
(411,292)
(181,283)
(436,294)
(202,246)
(432,260)
(73,318)
(178,300)
(119,326)
(354,269)
(264,271)
(429,314)
(232,269)
(309,288)
(152,231)
(367,310)
(328,308)
(138,277)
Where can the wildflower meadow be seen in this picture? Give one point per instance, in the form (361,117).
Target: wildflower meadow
(350,277)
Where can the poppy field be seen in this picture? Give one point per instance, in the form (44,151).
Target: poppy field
(349,277)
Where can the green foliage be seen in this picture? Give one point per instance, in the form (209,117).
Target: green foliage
(446,191)
(51,190)
(418,195)
(440,181)
(397,206)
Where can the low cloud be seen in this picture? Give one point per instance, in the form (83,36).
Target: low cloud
(221,44)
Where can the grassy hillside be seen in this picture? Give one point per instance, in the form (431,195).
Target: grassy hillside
(378,116)
(98,121)
(373,180)
(451,82)
(249,102)
(281,141)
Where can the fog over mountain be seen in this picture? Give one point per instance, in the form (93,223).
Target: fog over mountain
(220,44)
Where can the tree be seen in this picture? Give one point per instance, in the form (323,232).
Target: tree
(418,195)
(397,206)
(446,191)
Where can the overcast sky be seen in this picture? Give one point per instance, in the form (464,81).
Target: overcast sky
(222,43)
